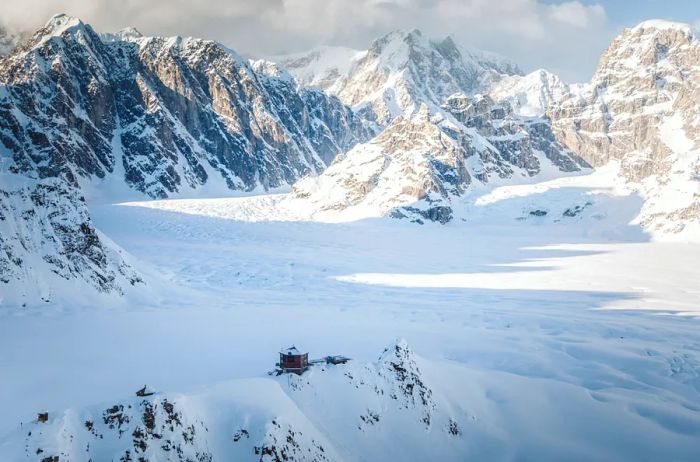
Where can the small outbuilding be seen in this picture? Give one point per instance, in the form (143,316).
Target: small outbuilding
(42,417)
(337,359)
(292,360)
(145,391)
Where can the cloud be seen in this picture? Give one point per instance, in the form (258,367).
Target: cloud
(566,37)
(576,14)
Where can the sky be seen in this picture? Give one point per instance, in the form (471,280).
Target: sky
(563,36)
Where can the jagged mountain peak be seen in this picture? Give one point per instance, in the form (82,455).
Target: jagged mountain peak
(652,25)
(399,351)
(62,21)
(60,24)
(404,69)
(532,94)
(60,30)
(398,40)
(649,44)
(640,110)
(398,72)
(400,48)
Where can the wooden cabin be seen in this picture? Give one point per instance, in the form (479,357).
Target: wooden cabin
(42,417)
(291,360)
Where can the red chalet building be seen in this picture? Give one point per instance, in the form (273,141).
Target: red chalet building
(291,360)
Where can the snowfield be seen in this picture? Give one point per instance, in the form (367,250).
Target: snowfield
(553,315)
(544,337)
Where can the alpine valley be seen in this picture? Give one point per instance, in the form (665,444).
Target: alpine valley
(493,250)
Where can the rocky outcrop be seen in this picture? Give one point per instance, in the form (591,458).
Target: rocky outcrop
(640,110)
(48,240)
(169,428)
(644,76)
(133,430)
(404,381)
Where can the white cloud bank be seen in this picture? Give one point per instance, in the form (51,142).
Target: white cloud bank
(566,38)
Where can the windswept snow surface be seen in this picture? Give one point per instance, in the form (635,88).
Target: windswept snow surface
(562,336)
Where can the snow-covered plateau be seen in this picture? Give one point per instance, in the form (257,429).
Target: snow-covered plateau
(509,261)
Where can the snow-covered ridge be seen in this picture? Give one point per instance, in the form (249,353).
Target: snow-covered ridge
(399,70)
(661,24)
(530,95)
(282,418)
(322,67)
(126,115)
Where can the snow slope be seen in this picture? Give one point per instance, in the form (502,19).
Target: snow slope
(540,338)
(597,203)
(555,317)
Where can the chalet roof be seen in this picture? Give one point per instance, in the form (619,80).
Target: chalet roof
(292,350)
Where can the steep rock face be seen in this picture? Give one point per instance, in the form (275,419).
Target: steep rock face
(166,113)
(161,116)
(645,75)
(640,109)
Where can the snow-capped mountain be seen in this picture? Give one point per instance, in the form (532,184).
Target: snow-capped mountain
(408,128)
(532,94)
(421,162)
(268,419)
(640,109)
(163,115)
(398,72)
(83,115)
(441,134)
(323,67)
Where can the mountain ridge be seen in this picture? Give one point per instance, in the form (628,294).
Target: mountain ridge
(163,115)
(407,129)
